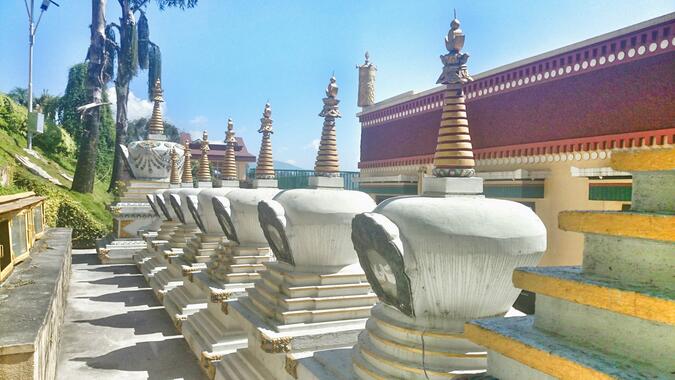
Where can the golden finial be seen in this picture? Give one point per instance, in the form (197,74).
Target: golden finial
(229,168)
(175,178)
(156,123)
(327,162)
(187,166)
(265,167)
(454,154)
(204,173)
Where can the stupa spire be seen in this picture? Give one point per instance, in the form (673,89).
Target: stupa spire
(327,162)
(174,179)
(454,154)
(229,166)
(265,167)
(367,73)
(156,123)
(204,172)
(187,166)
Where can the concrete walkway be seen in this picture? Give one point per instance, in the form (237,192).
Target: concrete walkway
(114,327)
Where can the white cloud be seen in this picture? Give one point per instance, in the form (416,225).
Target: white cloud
(195,135)
(136,107)
(291,162)
(314,144)
(199,120)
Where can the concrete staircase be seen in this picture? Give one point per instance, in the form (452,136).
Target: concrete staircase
(614,316)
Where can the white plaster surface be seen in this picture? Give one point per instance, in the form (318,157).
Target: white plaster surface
(115,329)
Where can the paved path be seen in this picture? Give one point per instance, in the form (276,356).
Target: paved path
(114,327)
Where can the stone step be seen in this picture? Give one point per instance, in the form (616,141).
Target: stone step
(630,260)
(609,332)
(287,303)
(245,268)
(516,338)
(620,223)
(570,284)
(236,366)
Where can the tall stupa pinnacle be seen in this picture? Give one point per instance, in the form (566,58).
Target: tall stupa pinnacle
(204,172)
(265,167)
(156,123)
(229,168)
(327,162)
(174,178)
(187,166)
(454,154)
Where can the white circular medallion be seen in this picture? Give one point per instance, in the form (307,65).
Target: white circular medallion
(585,155)
(560,71)
(533,78)
(501,86)
(576,67)
(568,69)
(664,44)
(577,156)
(570,156)
(490,90)
(584,65)
(556,158)
(553,73)
(621,56)
(480,92)
(611,58)
(520,82)
(631,53)
(642,49)
(546,75)
(527,80)
(602,60)
(513,83)
(538,76)
(593,62)
(563,157)
(652,47)
(508,84)
(549,158)
(594,155)
(530,159)
(602,155)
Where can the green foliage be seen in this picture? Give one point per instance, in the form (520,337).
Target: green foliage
(56,141)
(49,105)
(61,210)
(74,96)
(138,130)
(12,116)
(19,95)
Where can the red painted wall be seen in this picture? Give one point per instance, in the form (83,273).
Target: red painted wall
(634,96)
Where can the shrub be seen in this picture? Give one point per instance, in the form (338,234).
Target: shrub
(56,140)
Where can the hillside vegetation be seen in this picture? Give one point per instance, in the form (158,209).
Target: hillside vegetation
(86,214)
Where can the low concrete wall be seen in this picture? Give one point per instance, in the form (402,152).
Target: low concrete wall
(32,305)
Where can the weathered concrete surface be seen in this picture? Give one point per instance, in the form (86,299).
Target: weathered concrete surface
(115,329)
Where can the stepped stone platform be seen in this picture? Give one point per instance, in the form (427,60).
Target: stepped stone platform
(614,316)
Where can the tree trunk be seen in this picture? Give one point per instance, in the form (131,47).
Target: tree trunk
(85,172)
(124,76)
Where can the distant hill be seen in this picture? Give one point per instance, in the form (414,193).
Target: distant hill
(282,165)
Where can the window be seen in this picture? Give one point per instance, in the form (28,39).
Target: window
(19,238)
(37,219)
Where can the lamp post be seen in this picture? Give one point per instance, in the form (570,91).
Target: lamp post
(32,28)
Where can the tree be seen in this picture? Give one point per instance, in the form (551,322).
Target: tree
(138,130)
(19,95)
(98,63)
(74,96)
(135,49)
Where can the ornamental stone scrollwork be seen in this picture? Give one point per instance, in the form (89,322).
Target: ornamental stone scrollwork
(275,345)
(379,247)
(220,296)
(221,207)
(273,224)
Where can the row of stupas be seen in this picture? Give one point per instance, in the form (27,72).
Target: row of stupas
(320,283)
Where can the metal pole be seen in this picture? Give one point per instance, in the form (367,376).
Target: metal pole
(31,40)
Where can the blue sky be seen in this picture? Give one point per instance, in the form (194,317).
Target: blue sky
(226,58)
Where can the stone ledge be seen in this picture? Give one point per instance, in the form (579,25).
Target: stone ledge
(620,223)
(32,301)
(644,160)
